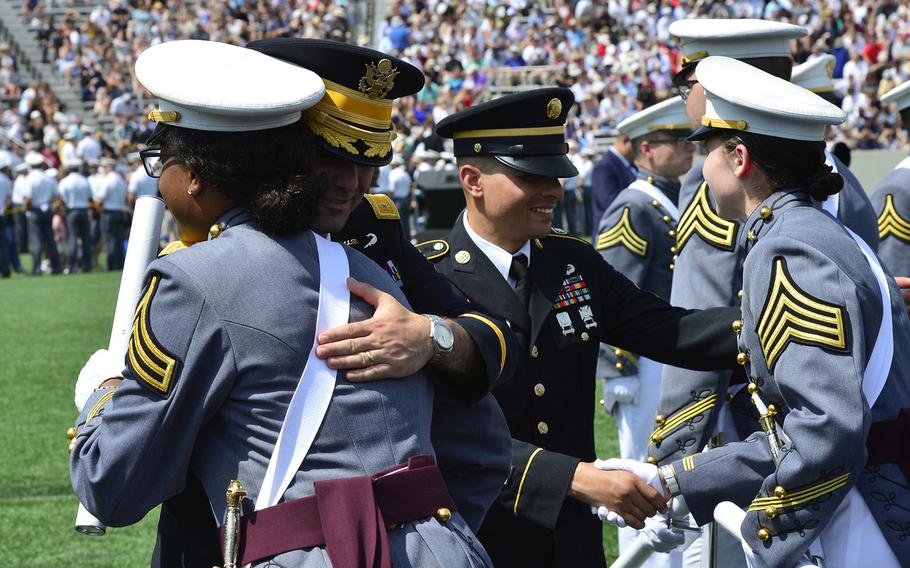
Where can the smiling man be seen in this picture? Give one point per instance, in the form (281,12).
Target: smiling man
(562,300)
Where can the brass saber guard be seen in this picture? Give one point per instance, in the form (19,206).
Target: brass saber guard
(231,544)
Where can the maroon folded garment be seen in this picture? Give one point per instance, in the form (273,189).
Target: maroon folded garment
(889,442)
(348,516)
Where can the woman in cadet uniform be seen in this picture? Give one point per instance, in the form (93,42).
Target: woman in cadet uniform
(220,358)
(824,340)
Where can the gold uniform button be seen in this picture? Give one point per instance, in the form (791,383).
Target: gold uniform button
(652,460)
(671,233)
(770,512)
(71,446)
(742,358)
(543,427)
(535,352)
(673,249)
(752,388)
(539,389)
(737,326)
(764,534)
(657,438)
(655,203)
(739,295)
(672,266)
(765,213)
(477,148)
(214,231)
(619,366)
(443,515)
(70,432)
(585,336)
(667,219)
(780,492)
(660,420)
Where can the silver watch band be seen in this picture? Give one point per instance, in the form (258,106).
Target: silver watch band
(669,474)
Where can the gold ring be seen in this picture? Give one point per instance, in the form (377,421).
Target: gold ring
(364,362)
(353,349)
(370,357)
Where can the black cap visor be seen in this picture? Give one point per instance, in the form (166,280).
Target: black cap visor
(557,165)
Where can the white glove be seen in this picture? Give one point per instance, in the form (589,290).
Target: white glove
(645,471)
(101,366)
(659,535)
(623,390)
(608,516)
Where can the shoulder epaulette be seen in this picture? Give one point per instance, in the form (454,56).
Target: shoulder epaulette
(172,248)
(792,315)
(383,206)
(562,234)
(622,233)
(890,222)
(700,219)
(434,249)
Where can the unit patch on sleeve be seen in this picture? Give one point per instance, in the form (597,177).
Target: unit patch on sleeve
(700,219)
(891,223)
(151,362)
(790,314)
(622,233)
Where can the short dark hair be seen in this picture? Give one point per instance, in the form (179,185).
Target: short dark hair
(787,163)
(270,173)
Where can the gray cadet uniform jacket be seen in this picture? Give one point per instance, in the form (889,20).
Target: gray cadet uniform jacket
(892,206)
(708,273)
(637,236)
(213,364)
(811,314)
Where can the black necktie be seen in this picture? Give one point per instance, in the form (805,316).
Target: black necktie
(519,271)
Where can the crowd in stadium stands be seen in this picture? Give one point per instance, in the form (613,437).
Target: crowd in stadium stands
(616,56)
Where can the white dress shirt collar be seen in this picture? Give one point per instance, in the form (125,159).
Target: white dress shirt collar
(501,258)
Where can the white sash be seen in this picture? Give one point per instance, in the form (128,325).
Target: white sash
(905,164)
(654,193)
(832,204)
(879,365)
(314,390)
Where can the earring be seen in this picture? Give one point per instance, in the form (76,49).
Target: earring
(189,191)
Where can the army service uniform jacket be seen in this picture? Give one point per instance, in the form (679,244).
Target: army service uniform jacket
(577,301)
(811,315)
(892,207)
(471,441)
(708,272)
(212,366)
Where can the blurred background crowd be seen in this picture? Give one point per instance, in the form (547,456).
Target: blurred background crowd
(615,55)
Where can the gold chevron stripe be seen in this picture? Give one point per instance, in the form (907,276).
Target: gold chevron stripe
(688,463)
(790,314)
(147,359)
(802,496)
(891,223)
(684,415)
(623,234)
(700,219)
(99,404)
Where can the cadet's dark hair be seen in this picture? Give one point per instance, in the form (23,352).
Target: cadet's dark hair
(789,164)
(270,173)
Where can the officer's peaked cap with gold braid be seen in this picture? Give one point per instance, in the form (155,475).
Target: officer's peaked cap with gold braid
(525,131)
(354,118)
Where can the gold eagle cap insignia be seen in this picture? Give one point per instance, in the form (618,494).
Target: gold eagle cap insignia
(554,108)
(379,79)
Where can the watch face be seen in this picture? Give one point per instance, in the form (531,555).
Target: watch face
(444,337)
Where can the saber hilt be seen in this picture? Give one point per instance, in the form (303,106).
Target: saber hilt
(231,545)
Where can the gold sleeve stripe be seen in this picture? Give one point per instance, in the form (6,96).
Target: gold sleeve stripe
(147,359)
(802,496)
(521,484)
(383,206)
(699,219)
(891,223)
(688,463)
(622,233)
(683,416)
(790,314)
(99,404)
(498,332)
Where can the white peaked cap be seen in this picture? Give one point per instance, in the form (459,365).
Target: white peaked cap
(206,85)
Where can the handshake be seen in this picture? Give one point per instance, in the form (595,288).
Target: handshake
(626,492)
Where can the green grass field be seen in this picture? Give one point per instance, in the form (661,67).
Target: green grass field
(48,328)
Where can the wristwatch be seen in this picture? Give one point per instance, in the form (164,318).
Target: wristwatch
(441,334)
